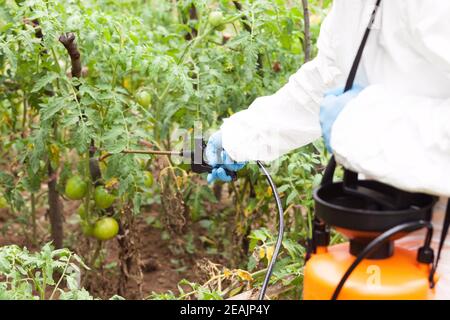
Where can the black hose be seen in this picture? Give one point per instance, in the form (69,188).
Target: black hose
(276,251)
(374,244)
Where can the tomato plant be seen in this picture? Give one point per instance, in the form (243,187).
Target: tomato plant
(30,275)
(83,83)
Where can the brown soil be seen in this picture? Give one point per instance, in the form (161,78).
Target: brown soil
(160,274)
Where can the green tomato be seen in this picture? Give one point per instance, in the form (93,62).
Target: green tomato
(148,179)
(87,228)
(82,212)
(278,180)
(106,229)
(128,83)
(144,98)
(221,27)
(76,188)
(103,199)
(3,203)
(216,18)
(42,165)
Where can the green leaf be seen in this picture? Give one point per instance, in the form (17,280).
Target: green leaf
(292,196)
(283,188)
(53,106)
(115,140)
(44,80)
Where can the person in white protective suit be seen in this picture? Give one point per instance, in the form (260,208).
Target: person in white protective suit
(396,129)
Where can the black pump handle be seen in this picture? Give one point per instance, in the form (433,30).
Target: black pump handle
(356,62)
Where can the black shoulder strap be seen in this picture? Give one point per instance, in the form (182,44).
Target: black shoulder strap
(354,69)
(351,177)
(444,233)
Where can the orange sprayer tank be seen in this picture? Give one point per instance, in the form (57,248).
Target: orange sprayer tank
(399,277)
(370,266)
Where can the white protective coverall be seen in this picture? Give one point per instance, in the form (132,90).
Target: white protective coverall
(397,130)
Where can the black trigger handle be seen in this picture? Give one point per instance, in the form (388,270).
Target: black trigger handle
(198,162)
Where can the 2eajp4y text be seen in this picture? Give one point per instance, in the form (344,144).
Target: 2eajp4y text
(228,309)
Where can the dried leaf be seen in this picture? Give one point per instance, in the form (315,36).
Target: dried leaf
(269,253)
(244,275)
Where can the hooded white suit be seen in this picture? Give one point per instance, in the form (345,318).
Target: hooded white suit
(397,130)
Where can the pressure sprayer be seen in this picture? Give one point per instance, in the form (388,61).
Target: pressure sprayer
(372,216)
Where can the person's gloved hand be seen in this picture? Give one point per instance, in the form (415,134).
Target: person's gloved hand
(332,105)
(219,159)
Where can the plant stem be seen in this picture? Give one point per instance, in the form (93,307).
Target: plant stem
(87,198)
(33,217)
(54,210)
(307,31)
(61,277)
(237,201)
(24,116)
(95,255)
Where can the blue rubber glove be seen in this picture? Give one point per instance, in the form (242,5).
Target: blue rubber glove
(219,159)
(332,105)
